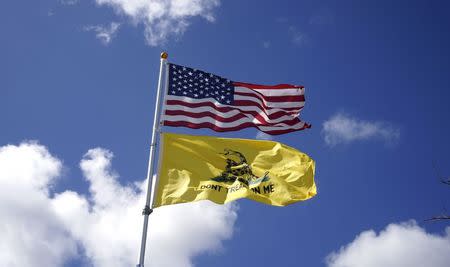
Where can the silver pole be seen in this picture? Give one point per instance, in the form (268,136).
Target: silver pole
(156,180)
(155,134)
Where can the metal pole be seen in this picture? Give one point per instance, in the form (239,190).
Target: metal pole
(155,134)
(163,104)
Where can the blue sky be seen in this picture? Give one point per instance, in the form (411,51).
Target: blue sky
(78,75)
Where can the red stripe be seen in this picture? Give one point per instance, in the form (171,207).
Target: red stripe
(238,103)
(288,98)
(197,105)
(230,119)
(259,86)
(263,107)
(219,129)
(205,114)
(277,132)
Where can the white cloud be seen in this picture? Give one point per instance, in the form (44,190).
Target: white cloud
(31,233)
(342,128)
(398,245)
(163,18)
(41,229)
(263,136)
(69,2)
(104,34)
(298,38)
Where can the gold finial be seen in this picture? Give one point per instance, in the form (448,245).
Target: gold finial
(164,55)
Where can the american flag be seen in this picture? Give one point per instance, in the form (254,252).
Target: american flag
(197,99)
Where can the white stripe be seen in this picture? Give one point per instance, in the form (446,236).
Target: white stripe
(242,108)
(228,114)
(195,100)
(273,92)
(178,118)
(224,125)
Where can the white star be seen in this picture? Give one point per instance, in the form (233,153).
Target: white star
(200,75)
(184,68)
(222,97)
(201,91)
(184,93)
(223,85)
(210,75)
(196,95)
(217,80)
(174,92)
(228,101)
(185,87)
(190,73)
(206,79)
(207,95)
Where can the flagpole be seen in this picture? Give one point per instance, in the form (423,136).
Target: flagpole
(151,161)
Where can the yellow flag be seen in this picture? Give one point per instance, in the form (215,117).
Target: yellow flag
(223,169)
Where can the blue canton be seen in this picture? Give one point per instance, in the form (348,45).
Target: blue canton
(188,82)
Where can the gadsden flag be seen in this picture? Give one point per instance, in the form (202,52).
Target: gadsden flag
(223,169)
